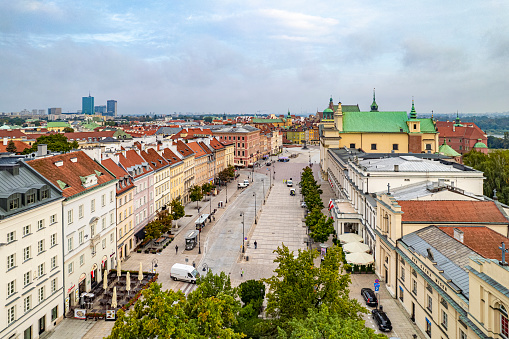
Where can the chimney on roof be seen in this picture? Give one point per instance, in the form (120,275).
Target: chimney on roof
(42,149)
(458,234)
(396,168)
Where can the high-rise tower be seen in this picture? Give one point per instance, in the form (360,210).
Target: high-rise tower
(111,107)
(87,105)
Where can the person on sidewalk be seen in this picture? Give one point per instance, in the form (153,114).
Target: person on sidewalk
(241,272)
(256,244)
(176,249)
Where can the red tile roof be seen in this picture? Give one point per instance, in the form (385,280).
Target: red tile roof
(12,134)
(131,159)
(451,211)
(119,173)
(70,172)
(198,151)
(20,146)
(183,149)
(154,159)
(481,239)
(171,157)
(215,144)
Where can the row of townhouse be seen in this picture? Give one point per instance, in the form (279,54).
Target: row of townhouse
(65,219)
(438,243)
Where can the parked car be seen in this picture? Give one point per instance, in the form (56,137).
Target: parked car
(289,183)
(381,318)
(184,273)
(268,163)
(246,182)
(369,297)
(303,204)
(242,185)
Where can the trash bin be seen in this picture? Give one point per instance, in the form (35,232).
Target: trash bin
(247,257)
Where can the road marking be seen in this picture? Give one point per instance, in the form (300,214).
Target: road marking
(188,288)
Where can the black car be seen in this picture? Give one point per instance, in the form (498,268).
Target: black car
(369,296)
(381,318)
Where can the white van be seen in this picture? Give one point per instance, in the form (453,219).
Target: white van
(289,183)
(184,273)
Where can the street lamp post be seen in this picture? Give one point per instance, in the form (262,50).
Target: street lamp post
(254,195)
(154,264)
(226,192)
(252,172)
(242,215)
(263,184)
(199,233)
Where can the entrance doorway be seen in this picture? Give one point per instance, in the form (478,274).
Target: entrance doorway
(27,334)
(386,275)
(413,312)
(42,324)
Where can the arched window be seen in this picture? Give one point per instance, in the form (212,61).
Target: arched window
(504,322)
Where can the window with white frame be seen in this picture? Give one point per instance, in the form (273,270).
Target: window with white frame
(81,236)
(92,230)
(429,306)
(82,260)
(112,237)
(11,288)
(112,218)
(27,304)
(120,233)
(40,224)
(104,243)
(53,262)
(463,335)
(70,216)
(11,236)
(81,211)
(26,278)
(103,200)
(92,205)
(53,219)
(70,268)
(111,196)
(402,274)
(40,270)
(26,230)
(11,261)
(40,246)
(414,286)
(41,293)
(26,253)
(11,316)
(70,245)
(104,223)
(53,285)
(53,239)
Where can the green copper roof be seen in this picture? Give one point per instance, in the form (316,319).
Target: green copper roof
(427,125)
(328,110)
(375,122)
(58,124)
(267,121)
(480,145)
(413,114)
(374,106)
(447,150)
(348,108)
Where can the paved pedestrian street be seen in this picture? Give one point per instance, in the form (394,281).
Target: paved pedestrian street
(280,220)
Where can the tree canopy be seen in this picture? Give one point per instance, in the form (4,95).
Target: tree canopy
(177,209)
(11,147)
(56,143)
(195,194)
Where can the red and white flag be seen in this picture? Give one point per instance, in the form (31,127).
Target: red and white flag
(331,204)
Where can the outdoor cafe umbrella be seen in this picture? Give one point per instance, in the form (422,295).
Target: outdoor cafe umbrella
(354,247)
(140,274)
(359,258)
(114,298)
(349,237)
(105,280)
(119,268)
(128,282)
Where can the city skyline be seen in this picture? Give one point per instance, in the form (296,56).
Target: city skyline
(254,57)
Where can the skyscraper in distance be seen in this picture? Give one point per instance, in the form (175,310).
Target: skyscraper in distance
(111,107)
(87,105)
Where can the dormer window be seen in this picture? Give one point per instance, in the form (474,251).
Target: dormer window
(30,198)
(14,201)
(89,180)
(44,193)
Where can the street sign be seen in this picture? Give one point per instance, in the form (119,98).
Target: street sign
(376,281)
(245,238)
(377,287)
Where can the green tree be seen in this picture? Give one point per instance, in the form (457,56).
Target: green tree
(153,230)
(56,143)
(325,324)
(177,209)
(321,231)
(11,147)
(68,130)
(251,290)
(208,119)
(195,194)
(207,187)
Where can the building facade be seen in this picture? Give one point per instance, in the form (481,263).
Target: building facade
(247,143)
(87,105)
(88,214)
(31,233)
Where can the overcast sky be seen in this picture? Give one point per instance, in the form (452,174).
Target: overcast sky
(246,56)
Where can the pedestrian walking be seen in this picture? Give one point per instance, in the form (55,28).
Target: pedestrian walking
(241,272)
(256,244)
(176,249)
